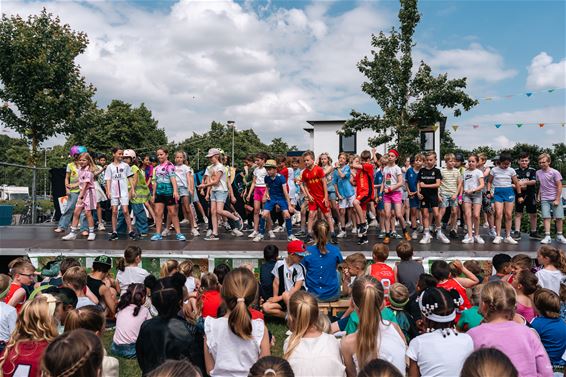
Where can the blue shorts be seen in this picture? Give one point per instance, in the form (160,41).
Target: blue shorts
(504,195)
(380,206)
(414,202)
(218,196)
(332,195)
(270,204)
(550,211)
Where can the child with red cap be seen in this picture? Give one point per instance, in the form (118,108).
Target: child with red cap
(393,196)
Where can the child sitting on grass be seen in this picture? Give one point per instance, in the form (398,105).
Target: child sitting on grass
(380,270)
(407,271)
(399,298)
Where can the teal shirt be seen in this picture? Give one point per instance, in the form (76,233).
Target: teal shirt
(470,318)
(354,320)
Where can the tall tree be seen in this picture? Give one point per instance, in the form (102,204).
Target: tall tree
(43,91)
(406,100)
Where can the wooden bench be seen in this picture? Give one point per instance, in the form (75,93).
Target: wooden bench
(334,307)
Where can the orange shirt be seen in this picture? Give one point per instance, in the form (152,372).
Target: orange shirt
(451,284)
(385,275)
(210,302)
(13,289)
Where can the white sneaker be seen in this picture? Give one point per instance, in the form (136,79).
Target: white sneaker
(165,233)
(415,235)
(184,221)
(291,238)
(442,237)
(208,233)
(278,229)
(205,219)
(493,233)
(354,231)
(253,234)
(479,240)
(342,234)
(546,240)
(497,240)
(510,240)
(468,239)
(91,237)
(373,223)
(101,226)
(237,233)
(486,225)
(195,232)
(348,225)
(70,237)
(272,235)
(560,238)
(426,238)
(258,238)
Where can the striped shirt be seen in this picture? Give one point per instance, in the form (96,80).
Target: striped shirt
(449,185)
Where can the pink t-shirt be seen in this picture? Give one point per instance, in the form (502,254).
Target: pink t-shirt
(128,326)
(525,311)
(521,344)
(547,180)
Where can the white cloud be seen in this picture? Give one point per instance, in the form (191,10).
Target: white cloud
(502,141)
(544,74)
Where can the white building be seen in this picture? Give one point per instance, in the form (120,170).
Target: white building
(324,138)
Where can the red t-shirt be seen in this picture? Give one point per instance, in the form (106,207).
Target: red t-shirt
(364,180)
(285,173)
(256,314)
(385,275)
(451,284)
(210,302)
(313,180)
(11,292)
(28,361)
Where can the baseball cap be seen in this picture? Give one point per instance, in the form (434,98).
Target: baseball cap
(270,164)
(213,152)
(297,247)
(129,153)
(103,259)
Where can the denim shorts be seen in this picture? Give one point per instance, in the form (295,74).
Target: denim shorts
(473,199)
(127,351)
(504,195)
(550,211)
(183,191)
(414,202)
(270,205)
(332,195)
(218,196)
(447,201)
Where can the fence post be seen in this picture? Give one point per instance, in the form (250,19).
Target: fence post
(33,195)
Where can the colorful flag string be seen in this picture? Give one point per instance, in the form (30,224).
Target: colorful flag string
(455,127)
(528,94)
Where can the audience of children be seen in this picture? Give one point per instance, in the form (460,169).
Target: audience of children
(525,285)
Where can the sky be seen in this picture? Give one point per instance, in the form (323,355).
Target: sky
(273,65)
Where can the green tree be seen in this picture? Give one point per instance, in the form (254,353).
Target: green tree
(279,147)
(488,151)
(121,124)
(42,89)
(407,101)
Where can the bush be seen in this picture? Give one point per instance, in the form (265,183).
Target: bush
(20,206)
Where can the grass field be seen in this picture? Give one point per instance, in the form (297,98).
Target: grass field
(129,368)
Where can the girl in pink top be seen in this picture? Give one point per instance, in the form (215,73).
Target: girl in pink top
(525,284)
(518,342)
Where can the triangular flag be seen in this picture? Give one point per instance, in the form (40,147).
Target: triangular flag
(455,127)
(541,125)
(497,125)
(476,126)
(519,125)
(550,90)
(529,94)
(435,127)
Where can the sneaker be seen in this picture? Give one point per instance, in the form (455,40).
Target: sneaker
(156,237)
(426,238)
(363,240)
(239,224)
(195,232)
(58,230)
(442,237)
(534,236)
(510,240)
(212,237)
(205,219)
(363,229)
(208,233)
(497,240)
(546,240)
(396,236)
(236,233)
(381,235)
(227,226)
(91,236)
(272,235)
(415,235)
(516,235)
(165,232)
(420,229)
(453,234)
(180,237)
(407,236)
(354,230)
(560,238)
(348,225)
(184,222)
(258,238)
(468,239)
(278,229)
(70,237)
(479,240)
(113,236)
(386,239)
(133,236)
(341,234)
(253,234)
(291,238)
(333,239)
(101,227)
(493,233)
(300,233)
(373,223)
(486,225)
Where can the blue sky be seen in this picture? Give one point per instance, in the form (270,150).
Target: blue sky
(274,65)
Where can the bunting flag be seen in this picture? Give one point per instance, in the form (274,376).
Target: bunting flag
(509,96)
(541,125)
(529,94)
(497,125)
(519,125)
(476,126)
(455,127)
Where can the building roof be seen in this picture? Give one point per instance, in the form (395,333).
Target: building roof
(315,122)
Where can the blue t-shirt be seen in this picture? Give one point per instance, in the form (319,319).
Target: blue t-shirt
(411,177)
(322,277)
(552,332)
(378,180)
(275,186)
(344,186)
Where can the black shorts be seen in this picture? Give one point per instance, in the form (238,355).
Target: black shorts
(165,199)
(530,204)
(429,202)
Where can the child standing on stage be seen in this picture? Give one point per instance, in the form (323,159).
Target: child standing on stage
(345,193)
(117,175)
(450,192)
(550,198)
(472,199)
(275,195)
(325,162)
(87,198)
(165,194)
(411,182)
(527,199)
(186,187)
(392,195)
(71,188)
(430,179)
(257,189)
(141,196)
(487,207)
(316,192)
(378,185)
(365,193)
(503,177)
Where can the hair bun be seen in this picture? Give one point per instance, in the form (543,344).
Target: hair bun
(178,279)
(150,281)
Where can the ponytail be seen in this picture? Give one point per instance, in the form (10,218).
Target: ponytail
(121,264)
(321,231)
(88,317)
(367,294)
(303,314)
(134,295)
(238,292)
(556,257)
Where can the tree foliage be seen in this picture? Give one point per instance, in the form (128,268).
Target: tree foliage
(43,91)
(406,100)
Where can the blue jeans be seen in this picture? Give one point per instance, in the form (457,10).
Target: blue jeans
(67,216)
(127,351)
(141,218)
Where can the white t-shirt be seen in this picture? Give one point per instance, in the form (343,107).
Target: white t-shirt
(83,301)
(190,284)
(288,274)
(318,356)
(439,356)
(390,176)
(8,317)
(472,179)
(118,176)
(181,175)
(550,279)
(131,274)
(221,186)
(391,346)
(502,177)
(259,174)
(233,356)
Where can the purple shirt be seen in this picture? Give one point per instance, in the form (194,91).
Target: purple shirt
(548,183)
(521,344)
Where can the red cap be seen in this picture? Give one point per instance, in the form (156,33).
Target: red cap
(394,151)
(297,247)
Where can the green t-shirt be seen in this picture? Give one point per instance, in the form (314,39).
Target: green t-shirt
(470,318)
(353,321)
(142,191)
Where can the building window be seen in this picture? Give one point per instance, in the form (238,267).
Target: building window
(348,143)
(427,140)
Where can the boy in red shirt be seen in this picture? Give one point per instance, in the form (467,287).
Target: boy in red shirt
(314,187)
(23,273)
(382,271)
(365,194)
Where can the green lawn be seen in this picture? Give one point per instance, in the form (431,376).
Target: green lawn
(129,368)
